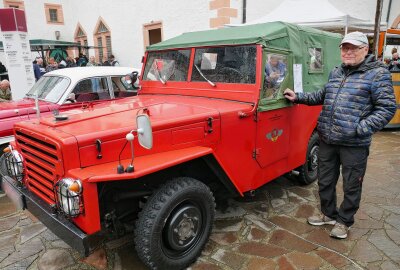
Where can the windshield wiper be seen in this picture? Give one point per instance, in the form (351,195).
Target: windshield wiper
(158,73)
(204,77)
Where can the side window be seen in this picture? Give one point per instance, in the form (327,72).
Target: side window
(92,89)
(126,85)
(315,60)
(121,87)
(276,72)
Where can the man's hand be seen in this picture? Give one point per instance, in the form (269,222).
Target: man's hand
(289,94)
(274,75)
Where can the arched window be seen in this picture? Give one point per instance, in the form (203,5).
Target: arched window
(102,40)
(81,38)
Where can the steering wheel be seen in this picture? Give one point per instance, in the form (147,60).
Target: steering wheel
(71,100)
(233,75)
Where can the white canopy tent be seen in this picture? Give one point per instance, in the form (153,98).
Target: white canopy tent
(318,14)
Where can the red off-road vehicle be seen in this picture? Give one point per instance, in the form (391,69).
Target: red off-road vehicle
(210,120)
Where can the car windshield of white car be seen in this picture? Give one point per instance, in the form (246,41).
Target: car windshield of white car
(49,88)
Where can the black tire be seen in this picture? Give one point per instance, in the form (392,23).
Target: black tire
(175,223)
(309,170)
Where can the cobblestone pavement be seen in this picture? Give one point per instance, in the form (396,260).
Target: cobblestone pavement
(269,232)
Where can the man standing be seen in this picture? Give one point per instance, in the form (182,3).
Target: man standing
(394,64)
(358,100)
(5,92)
(92,62)
(112,61)
(38,69)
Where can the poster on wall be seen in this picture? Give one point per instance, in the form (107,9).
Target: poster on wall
(14,34)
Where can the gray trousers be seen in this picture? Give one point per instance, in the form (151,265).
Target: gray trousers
(354,163)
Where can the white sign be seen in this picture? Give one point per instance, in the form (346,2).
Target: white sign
(298,77)
(18,57)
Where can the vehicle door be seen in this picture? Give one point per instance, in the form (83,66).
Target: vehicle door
(92,89)
(273,123)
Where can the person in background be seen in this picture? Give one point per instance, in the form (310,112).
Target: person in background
(36,70)
(92,62)
(275,71)
(357,101)
(70,62)
(394,64)
(112,61)
(3,69)
(106,62)
(52,65)
(62,64)
(82,60)
(39,62)
(5,91)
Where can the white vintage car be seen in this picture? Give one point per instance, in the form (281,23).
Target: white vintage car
(66,89)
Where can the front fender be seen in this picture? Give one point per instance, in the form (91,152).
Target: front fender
(143,165)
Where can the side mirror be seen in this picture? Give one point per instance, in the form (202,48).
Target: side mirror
(144,131)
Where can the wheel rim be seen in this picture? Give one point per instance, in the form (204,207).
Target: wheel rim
(313,161)
(182,230)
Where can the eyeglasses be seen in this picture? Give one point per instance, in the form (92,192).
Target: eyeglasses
(351,49)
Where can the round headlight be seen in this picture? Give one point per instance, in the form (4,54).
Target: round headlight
(14,165)
(68,196)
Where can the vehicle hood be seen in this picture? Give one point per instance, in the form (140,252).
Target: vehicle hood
(21,107)
(116,118)
(176,121)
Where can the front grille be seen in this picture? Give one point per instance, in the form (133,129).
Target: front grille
(42,163)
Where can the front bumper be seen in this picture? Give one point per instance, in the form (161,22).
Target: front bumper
(58,224)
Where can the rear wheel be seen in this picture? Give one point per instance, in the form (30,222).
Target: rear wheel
(309,170)
(175,224)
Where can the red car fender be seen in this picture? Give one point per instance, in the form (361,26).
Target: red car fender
(143,165)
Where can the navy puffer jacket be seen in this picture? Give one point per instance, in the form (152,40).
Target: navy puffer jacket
(356,103)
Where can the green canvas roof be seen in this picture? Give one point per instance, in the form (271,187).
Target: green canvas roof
(248,34)
(46,42)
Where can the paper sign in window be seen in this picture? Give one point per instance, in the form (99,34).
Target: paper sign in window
(208,61)
(298,77)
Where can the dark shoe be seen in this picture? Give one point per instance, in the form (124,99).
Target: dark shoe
(320,219)
(339,231)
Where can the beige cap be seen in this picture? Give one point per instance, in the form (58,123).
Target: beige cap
(355,38)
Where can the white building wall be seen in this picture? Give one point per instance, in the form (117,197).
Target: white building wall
(125,18)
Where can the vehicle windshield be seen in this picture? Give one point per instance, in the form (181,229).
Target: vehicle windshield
(49,88)
(230,64)
(167,66)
